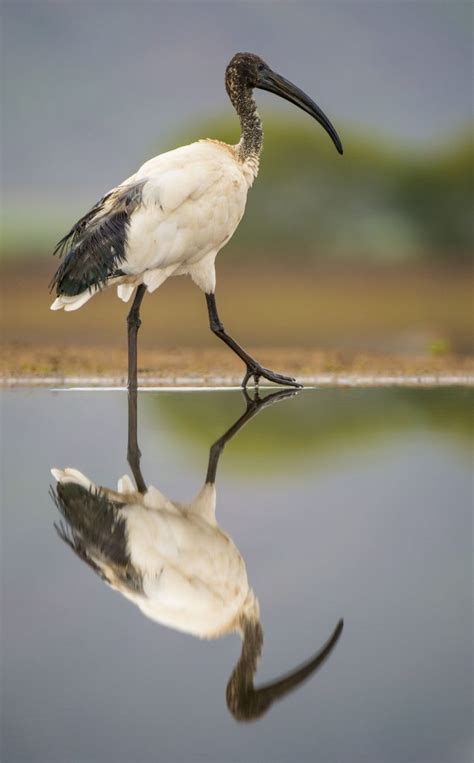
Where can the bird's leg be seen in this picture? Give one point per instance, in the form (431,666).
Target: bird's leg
(133,324)
(254,406)
(254,369)
(133,451)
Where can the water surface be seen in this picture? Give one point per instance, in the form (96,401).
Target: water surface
(351,504)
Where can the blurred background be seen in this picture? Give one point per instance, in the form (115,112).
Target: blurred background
(365,252)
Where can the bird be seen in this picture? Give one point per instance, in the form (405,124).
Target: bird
(174,562)
(174,215)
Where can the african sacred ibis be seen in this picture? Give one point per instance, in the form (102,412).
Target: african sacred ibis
(175,563)
(174,215)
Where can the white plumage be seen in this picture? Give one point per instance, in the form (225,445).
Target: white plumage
(193,199)
(174,215)
(193,576)
(175,563)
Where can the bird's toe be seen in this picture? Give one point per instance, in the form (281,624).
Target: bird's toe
(260,372)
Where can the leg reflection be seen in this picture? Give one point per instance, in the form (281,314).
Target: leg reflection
(175,563)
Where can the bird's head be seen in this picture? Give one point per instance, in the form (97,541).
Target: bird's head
(247,71)
(247,702)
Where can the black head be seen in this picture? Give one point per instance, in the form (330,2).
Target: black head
(247,71)
(244,70)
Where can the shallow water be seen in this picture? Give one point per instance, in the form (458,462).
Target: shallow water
(343,503)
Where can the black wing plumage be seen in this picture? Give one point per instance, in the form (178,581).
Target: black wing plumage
(94,248)
(95,530)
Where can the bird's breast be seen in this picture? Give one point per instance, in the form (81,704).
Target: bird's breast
(194,578)
(187,212)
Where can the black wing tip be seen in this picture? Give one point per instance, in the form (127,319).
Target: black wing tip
(61,245)
(95,247)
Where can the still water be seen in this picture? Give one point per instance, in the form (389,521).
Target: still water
(352,504)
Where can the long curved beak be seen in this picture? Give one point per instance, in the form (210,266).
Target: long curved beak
(244,700)
(281,686)
(275,83)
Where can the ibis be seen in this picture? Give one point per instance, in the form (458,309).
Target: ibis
(174,215)
(174,562)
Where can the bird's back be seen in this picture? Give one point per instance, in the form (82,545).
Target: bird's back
(194,578)
(177,209)
(172,560)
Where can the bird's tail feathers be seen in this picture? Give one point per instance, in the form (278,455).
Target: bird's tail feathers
(73,303)
(72,475)
(125,291)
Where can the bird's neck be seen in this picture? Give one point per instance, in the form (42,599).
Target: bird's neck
(240,689)
(251,139)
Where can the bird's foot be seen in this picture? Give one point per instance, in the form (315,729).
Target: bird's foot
(257,372)
(256,402)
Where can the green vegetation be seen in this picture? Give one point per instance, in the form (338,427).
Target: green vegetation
(34,231)
(341,422)
(380,202)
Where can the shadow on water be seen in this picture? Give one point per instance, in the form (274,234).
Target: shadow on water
(175,563)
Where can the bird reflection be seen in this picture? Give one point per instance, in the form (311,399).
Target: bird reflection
(175,563)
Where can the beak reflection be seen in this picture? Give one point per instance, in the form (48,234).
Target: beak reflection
(174,562)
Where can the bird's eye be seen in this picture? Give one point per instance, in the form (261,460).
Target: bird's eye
(260,67)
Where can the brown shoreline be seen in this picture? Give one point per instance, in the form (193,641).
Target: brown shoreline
(27,362)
